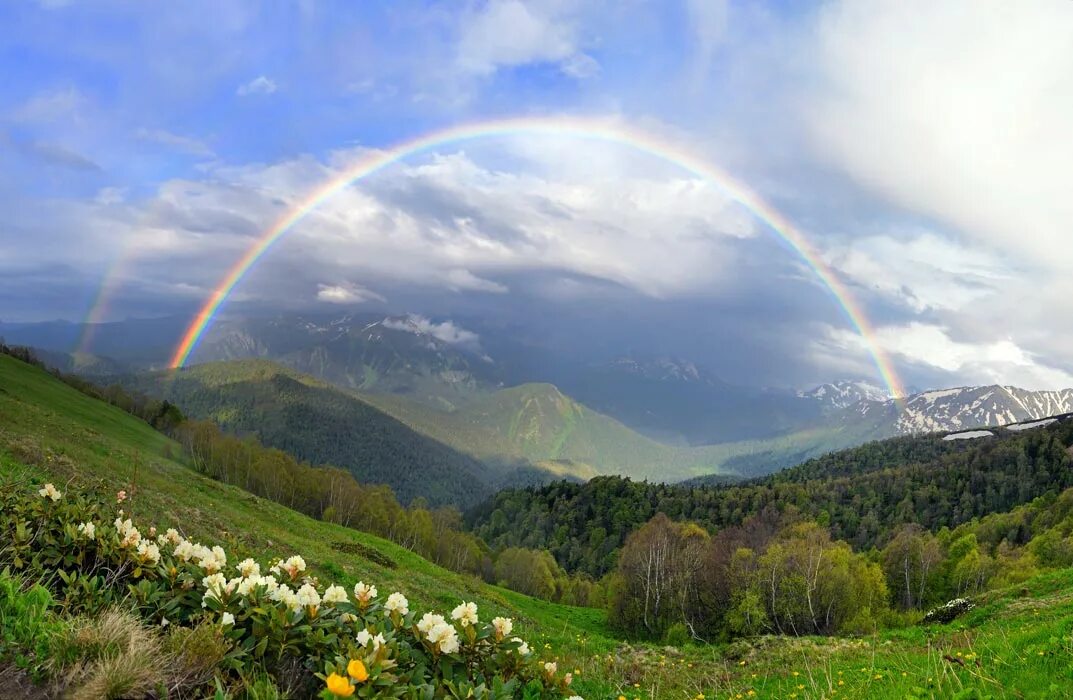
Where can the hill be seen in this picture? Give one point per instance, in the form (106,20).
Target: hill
(1014,644)
(317,422)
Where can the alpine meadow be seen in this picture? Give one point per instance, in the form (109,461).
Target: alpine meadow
(536,350)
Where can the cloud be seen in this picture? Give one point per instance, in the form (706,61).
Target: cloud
(52,106)
(346,294)
(110,195)
(183,144)
(981,362)
(460,279)
(921,270)
(261,85)
(709,20)
(510,33)
(953,109)
(447,331)
(57,155)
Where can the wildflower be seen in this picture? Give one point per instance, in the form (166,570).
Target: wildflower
(356,670)
(364,593)
(88,530)
(503,626)
(364,638)
(128,534)
(149,553)
(550,668)
(49,491)
(396,602)
(308,597)
(339,686)
(568,678)
(215,588)
(120,496)
(293,566)
(184,550)
(334,595)
(523,648)
(575,697)
(248,568)
(444,636)
(428,621)
(227,619)
(212,560)
(270,584)
(348,618)
(378,641)
(466,614)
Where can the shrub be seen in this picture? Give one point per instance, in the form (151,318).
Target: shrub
(248,618)
(677,635)
(949,611)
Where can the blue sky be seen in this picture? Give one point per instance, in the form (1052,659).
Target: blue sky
(921,147)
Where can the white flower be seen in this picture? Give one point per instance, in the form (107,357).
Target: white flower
(444,636)
(428,621)
(308,596)
(503,626)
(378,640)
(184,550)
(396,602)
(364,638)
(246,585)
(120,496)
(568,679)
(285,595)
(335,594)
(88,530)
(227,619)
(364,593)
(293,566)
(128,534)
(152,530)
(149,553)
(551,667)
(523,648)
(248,568)
(50,492)
(172,535)
(215,585)
(575,697)
(270,584)
(466,614)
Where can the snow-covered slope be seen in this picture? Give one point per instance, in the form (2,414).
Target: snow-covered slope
(962,408)
(840,395)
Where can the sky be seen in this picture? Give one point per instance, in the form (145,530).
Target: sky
(922,149)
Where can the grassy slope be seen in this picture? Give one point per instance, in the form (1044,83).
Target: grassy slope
(1022,640)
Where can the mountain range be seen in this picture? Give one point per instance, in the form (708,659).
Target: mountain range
(441,412)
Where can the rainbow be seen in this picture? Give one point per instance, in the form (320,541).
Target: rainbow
(598,130)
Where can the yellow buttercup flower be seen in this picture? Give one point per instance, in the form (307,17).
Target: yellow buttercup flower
(356,670)
(340,686)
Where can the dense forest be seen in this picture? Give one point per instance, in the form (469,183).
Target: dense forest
(862,495)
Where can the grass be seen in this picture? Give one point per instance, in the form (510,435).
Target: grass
(1016,644)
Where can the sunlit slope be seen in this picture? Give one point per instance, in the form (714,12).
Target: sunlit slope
(49,429)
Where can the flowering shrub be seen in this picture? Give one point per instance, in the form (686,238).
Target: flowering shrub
(949,611)
(284,620)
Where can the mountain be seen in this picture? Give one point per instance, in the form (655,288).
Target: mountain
(409,355)
(956,409)
(317,422)
(836,396)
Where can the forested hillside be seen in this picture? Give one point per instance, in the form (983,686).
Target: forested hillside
(319,423)
(862,495)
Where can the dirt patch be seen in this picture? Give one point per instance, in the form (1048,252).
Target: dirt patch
(16,685)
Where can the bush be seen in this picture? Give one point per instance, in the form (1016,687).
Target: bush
(677,635)
(282,623)
(949,611)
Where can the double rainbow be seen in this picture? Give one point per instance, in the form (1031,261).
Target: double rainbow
(597,130)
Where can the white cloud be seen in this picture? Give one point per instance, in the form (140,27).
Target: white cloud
(184,144)
(261,85)
(954,109)
(52,106)
(708,19)
(508,33)
(447,331)
(460,279)
(110,195)
(985,362)
(921,270)
(346,294)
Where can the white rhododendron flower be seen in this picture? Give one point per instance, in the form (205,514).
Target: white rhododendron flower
(378,641)
(568,678)
(523,648)
(308,596)
(211,560)
(215,586)
(396,602)
(334,595)
(149,553)
(503,626)
(184,550)
(444,636)
(88,530)
(128,534)
(293,566)
(550,667)
(172,535)
(364,638)
(364,593)
(227,619)
(270,584)
(428,621)
(49,491)
(248,568)
(466,614)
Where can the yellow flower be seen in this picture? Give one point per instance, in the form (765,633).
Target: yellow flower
(621,697)
(339,686)
(356,670)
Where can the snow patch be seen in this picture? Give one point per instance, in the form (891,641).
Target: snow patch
(1028,426)
(969,435)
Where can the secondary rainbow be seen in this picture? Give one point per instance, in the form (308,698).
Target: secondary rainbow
(598,130)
